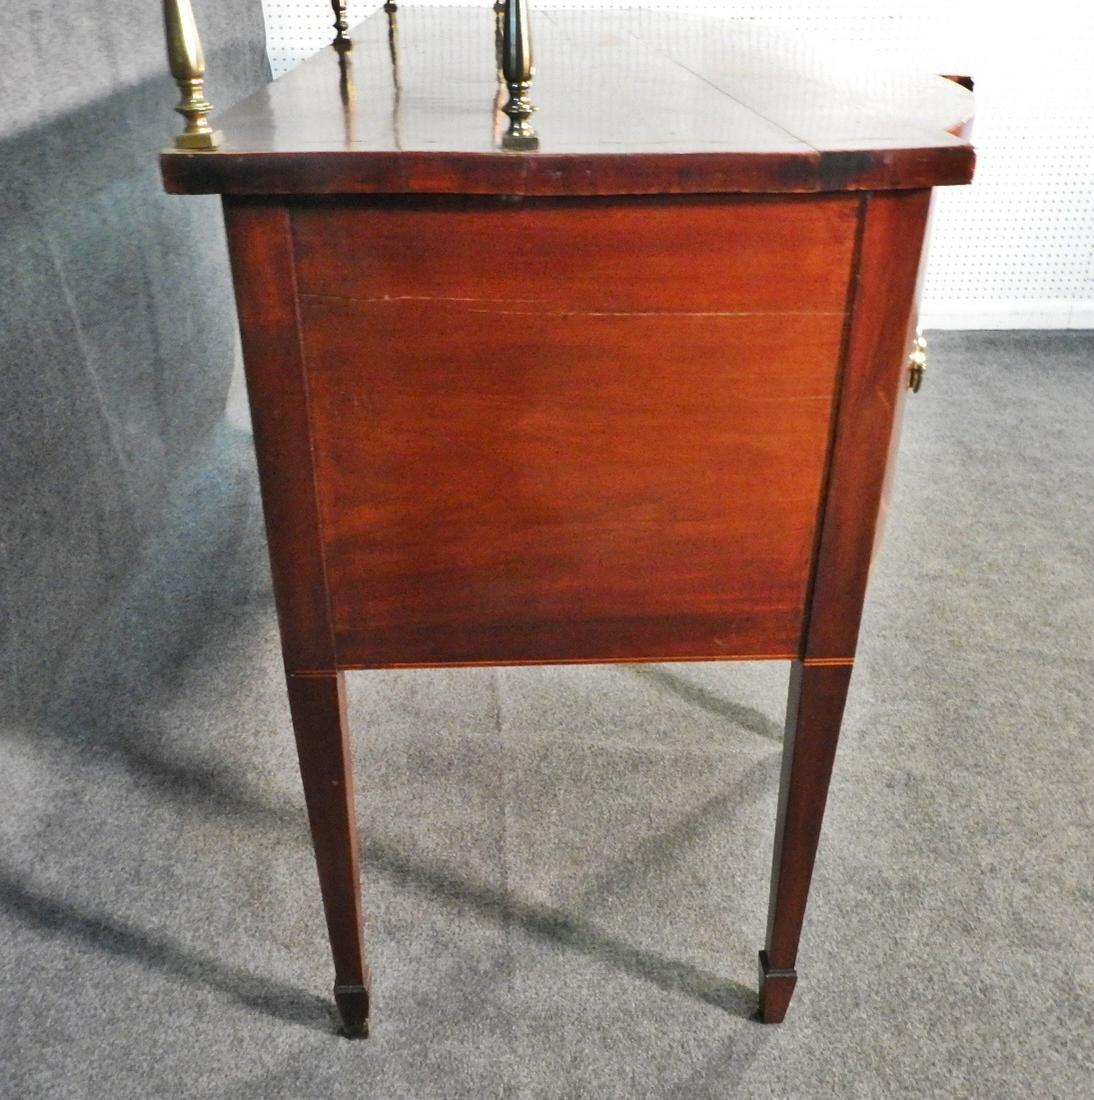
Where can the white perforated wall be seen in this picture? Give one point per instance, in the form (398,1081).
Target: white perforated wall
(1015,250)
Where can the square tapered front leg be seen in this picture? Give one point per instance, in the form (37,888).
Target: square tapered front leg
(318,703)
(813,716)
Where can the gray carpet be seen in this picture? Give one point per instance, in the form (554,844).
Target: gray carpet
(567,868)
(117,324)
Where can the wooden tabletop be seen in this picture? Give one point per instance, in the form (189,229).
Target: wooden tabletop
(629,102)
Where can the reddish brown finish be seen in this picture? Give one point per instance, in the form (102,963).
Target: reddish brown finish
(260,246)
(629,103)
(541,258)
(874,377)
(572,520)
(425,173)
(318,705)
(632,461)
(813,715)
(494,430)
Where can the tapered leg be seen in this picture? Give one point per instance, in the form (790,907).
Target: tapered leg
(318,704)
(813,716)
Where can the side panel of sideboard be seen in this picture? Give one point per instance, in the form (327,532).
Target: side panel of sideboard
(585,430)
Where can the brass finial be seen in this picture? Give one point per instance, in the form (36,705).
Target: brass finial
(346,91)
(187,61)
(392,10)
(499,37)
(518,70)
(341,23)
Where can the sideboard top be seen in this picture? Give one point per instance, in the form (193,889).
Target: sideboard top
(629,102)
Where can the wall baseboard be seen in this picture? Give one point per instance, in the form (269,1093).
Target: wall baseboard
(1047,313)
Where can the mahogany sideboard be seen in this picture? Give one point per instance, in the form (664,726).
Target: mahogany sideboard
(618,381)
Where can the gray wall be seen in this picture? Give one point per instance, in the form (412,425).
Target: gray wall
(117,326)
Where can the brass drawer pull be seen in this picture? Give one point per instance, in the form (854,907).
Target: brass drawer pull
(917,362)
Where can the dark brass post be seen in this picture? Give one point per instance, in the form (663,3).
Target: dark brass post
(341,23)
(499,37)
(392,10)
(346,91)
(518,69)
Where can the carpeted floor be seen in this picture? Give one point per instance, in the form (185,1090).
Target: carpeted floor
(567,868)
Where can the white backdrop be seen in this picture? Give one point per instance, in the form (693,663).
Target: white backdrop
(1015,250)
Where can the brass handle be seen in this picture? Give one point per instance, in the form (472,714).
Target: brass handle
(917,362)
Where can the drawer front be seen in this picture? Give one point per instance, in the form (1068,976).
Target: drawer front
(604,471)
(912,346)
(666,255)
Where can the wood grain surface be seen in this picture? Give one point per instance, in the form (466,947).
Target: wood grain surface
(816,698)
(616,455)
(629,102)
